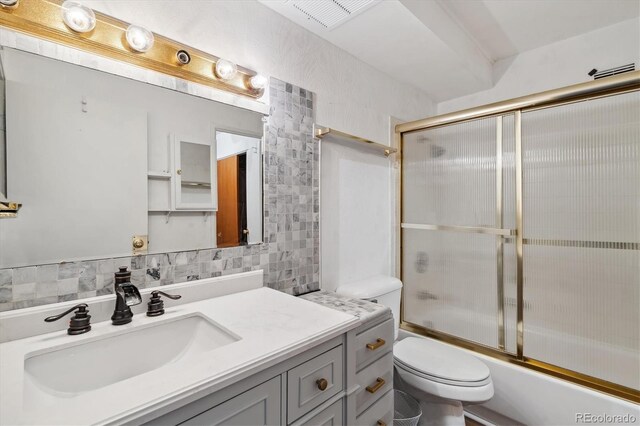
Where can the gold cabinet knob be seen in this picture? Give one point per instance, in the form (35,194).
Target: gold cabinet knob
(138,243)
(179,171)
(322,384)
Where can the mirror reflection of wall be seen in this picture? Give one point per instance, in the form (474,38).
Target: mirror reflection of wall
(75,160)
(196,164)
(239,219)
(89,155)
(3,158)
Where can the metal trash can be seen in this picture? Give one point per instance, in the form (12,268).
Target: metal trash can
(406,410)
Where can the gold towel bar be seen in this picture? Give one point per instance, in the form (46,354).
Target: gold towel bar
(9,209)
(321,132)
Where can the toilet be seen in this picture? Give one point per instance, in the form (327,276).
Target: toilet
(441,377)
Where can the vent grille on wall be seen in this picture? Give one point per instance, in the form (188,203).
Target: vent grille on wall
(614,71)
(332,12)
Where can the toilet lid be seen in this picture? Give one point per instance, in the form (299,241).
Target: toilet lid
(438,360)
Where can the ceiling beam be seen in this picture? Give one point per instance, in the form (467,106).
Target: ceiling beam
(435,17)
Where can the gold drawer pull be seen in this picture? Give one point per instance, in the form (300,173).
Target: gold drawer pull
(381,423)
(375,388)
(373,346)
(322,384)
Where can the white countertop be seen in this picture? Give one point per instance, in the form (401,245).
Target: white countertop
(272,327)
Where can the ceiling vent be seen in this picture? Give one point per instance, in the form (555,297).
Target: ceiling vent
(614,71)
(331,13)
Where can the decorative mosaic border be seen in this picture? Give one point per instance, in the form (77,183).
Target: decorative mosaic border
(289,255)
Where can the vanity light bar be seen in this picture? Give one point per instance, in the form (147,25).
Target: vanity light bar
(44,19)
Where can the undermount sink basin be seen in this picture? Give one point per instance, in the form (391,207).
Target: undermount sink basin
(108,359)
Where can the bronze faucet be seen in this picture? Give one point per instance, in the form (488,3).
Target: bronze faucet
(127,295)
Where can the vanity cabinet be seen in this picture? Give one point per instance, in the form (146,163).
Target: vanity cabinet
(346,380)
(257,406)
(314,382)
(307,389)
(330,416)
(379,414)
(374,374)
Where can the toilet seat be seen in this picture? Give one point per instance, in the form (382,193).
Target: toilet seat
(437,379)
(437,369)
(442,363)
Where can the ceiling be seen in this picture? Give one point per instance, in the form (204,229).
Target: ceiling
(447,47)
(505,28)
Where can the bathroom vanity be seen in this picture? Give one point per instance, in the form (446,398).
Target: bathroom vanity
(229,352)
(373,347)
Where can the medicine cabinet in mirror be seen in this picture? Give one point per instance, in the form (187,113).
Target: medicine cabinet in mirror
(194,165)
(106,166)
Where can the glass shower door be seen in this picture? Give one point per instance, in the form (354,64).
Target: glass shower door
(521,234)
(457,186)
(581,191)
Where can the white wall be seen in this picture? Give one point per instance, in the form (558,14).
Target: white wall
(70,166)
(556,65)
(355,217)
(351,95)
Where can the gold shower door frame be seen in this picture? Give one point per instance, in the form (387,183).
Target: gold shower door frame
(610,86)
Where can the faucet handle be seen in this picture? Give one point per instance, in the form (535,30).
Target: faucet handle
(156,304)
(155,293)
(80,322)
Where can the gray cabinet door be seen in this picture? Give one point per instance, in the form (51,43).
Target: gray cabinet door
(304,392)
(330,416)
(258,406)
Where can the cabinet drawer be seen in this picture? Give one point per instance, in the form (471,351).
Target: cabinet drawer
(379,414)
(312,383)
(258,406)
(374,381)
(330,416)
(373,343)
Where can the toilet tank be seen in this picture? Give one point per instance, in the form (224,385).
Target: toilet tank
(380,289)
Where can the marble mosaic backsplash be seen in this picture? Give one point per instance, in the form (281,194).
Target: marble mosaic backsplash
(43,284)
(289,255)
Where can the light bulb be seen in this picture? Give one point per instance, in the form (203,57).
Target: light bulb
(8,3)
(140,39)
(258,82)
(226,70)
(78,17)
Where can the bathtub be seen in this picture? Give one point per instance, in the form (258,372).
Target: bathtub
(581,354)
(524,396)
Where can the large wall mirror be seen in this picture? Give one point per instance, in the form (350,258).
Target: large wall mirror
(105,166)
